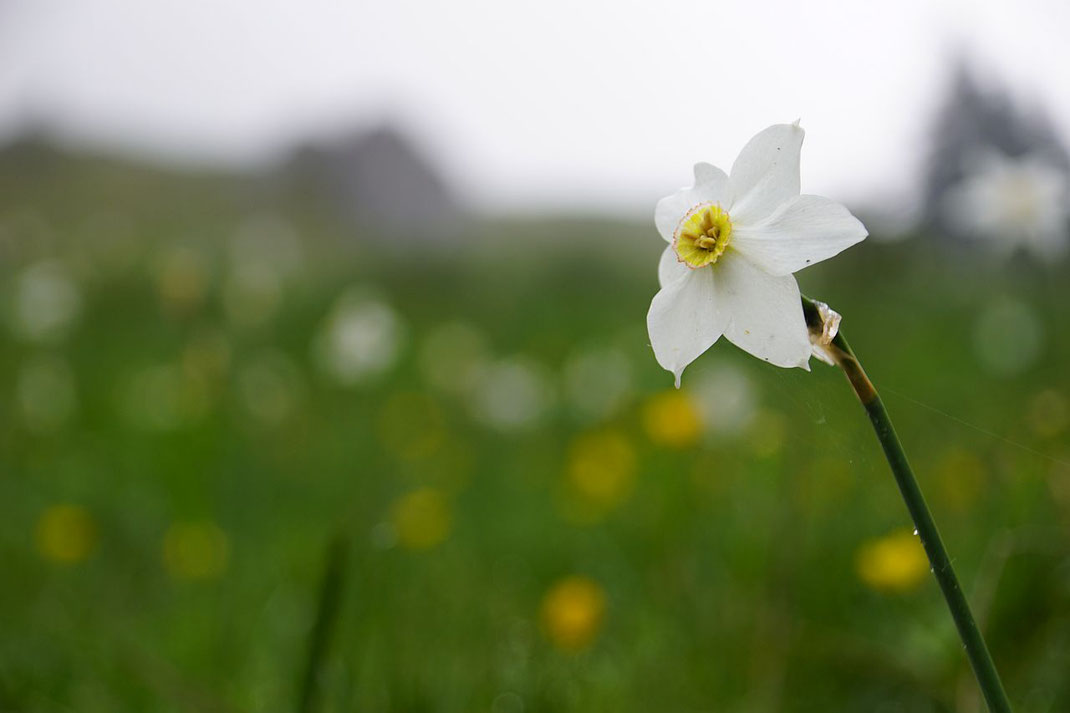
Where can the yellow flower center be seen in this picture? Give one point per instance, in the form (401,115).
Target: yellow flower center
(703,235)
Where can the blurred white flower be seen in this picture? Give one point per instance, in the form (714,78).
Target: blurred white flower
(512,395)
(152,398)
(1013,203)
(271,387)
(165,397)
(267,240)
(452,357)
(360,339)
(46,393)
(726,399)
(46,302)
(1008,336)
(252,293)
(598,382)
(734,242)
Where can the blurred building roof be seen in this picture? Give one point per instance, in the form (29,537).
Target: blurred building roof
(378,180)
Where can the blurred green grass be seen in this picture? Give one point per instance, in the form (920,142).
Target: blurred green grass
(164,527)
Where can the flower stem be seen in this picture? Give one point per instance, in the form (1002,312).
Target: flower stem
(972,640)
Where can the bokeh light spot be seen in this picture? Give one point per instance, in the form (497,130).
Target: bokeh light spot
(153,398)
(1008,336)
(195,550)
(512,395)
(66,533)
(181,280)
(726,398)
(46,302)
(267,240)
(598,382)
(1048,414)
(360,339)
(452,356)
(252,294)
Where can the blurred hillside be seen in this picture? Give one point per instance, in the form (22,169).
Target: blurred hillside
(373,182)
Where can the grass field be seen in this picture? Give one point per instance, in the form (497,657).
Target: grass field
(199,394)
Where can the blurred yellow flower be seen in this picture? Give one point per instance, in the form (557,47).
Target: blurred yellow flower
(422,518)
(601,468)
(767,433)
(207,353)
(181,279)
(66,533)
(572,613)
(195,550)
(1048,414)
(672,419)
(893,563)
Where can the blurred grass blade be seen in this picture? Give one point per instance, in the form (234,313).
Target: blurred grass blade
(319,640)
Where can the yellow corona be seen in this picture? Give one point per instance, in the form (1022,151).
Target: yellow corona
(703,235)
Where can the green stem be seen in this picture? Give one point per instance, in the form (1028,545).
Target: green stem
(972,640)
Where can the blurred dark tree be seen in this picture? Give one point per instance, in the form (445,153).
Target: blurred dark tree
(979,116)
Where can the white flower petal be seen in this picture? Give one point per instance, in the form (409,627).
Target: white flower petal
(684,320)
(707,173)
(805,230)
(766,317)
(766,173)
(711,186)
(670,268)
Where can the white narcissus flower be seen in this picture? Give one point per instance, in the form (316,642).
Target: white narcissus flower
(734,242)
(1013,203)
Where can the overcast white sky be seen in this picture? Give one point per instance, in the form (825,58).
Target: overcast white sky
(552,103)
